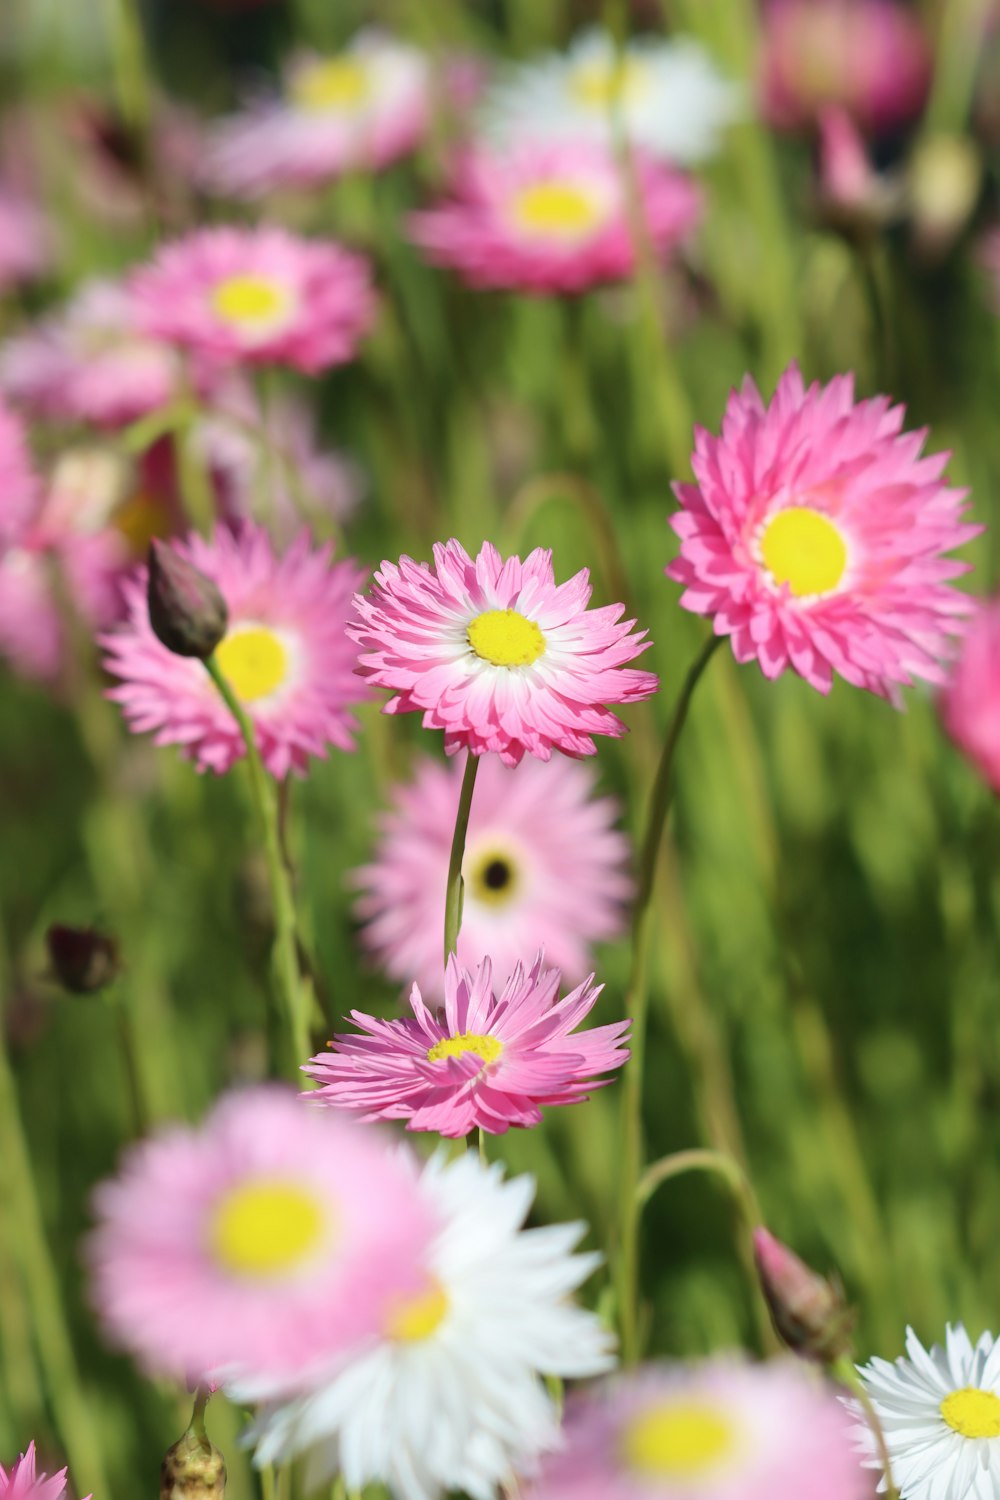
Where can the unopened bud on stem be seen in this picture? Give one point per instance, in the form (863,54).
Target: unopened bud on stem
(83,960)
(809,1312)
(194,1469)
(186,610)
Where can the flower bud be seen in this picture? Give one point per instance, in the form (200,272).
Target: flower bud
(193,1469)
(809,1313)
(186,610)
(83,960)
(944,182)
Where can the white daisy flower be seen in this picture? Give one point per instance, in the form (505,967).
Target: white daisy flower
(672,99)
(940,1413)
(451,1398)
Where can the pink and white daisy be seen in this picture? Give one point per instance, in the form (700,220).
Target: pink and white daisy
(487,1061)
(263,1246)
(22,1482)
(970,703)
(25,241)
(90,362)
(497,654)
(721,1430)
(544,867)
(357,110)
(815,538)
(285,654)
(548,217)
(257,296)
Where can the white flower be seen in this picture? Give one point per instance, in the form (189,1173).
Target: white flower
(451,1398)
(672,100)
(940,1413)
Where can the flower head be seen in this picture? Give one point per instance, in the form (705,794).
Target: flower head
(486,1061)
(263,1246)
(939,1411)
(970,703)
(551,217)
(21,1482)
(544,868)
(670,98)
(721,1430)
(285,653)
(815,538)
(497,654)
(257,296)
(450,1398)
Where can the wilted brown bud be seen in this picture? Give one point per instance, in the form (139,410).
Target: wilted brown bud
(193,1469)
(186,610)
(809,1312)
(83,960)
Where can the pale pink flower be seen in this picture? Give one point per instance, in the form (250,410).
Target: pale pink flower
(90,362)
(286,655)
(720,1430)
(970,703)
(263,1246)
(488,1061)
(497,654)
(815,536)
(257,296)
(25,241)
(21,1482)
(872,57)
(551,216)
(544,867)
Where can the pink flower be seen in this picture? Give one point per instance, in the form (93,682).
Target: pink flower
(19,486)
(486,1062)
(21,1482)
(358,110)
(544,868)
(90,363)
(262,1247)
(285,653)
(497,654)
(815,535)
(970,703)
(721,1430)
(25,242)
(257,296)
(870,56)
(551,217)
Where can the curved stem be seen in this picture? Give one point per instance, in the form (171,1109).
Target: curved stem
(843,1370)
(456,885)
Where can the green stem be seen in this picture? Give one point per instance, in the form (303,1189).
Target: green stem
(456,885)
(195,484)
(843,1370)
(287,975)
(128,52)
(637,1006)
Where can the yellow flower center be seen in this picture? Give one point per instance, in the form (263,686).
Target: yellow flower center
(266,1228)
(556,209)
(493,877)
(415,1318)
(486,1047)
(253,661)
(803,548)
(973,1413)
(677,1440)
(335,83)
(248,301)
(598,85)
(505,638)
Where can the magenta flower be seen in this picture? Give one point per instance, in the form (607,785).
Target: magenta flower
(485,1062)
(21,1482)
(970,703)
(257,296)
(544,867)
(814,538)
(286,655)
(497,654)
(551,217)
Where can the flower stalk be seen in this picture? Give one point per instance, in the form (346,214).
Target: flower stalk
(456,885)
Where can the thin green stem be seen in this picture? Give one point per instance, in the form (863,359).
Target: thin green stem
(456,885)
(195,484)
(289,983)
(637,1006)
(843,1370)
(128,52)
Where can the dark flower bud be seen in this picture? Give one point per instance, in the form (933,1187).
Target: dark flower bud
(83,960)
(809,1312)
(186,610)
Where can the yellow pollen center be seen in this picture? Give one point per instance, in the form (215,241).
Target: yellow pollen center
(253,661)
(598,85)
(337,83)
(265,1228)
(486,1047)
(677,1440)
(493,877)
(415,1318)
(973,1413)
(556,208)
(249,300)
(505,638)
(803,548)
